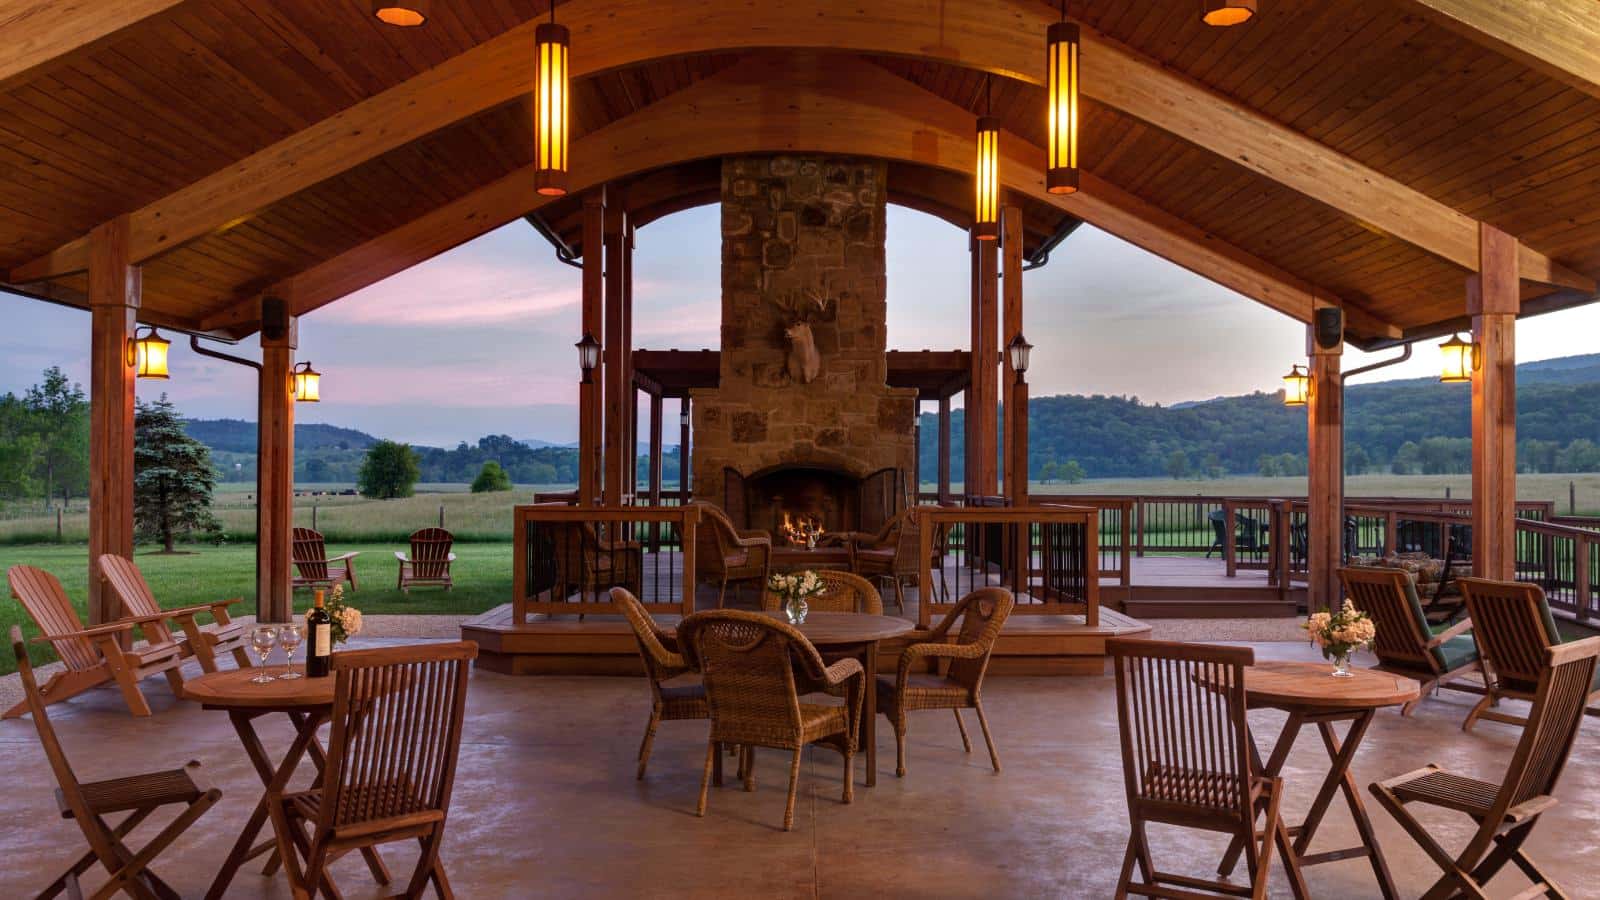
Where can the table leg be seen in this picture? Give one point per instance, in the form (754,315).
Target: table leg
(1270,769)
(869,710)
(275,781)
(1339,778)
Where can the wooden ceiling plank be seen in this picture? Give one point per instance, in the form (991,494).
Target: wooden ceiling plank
(1558,38)
(41,34)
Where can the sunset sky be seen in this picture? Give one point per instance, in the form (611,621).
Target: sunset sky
(479,340)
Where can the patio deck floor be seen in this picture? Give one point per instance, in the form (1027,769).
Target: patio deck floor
(546,803)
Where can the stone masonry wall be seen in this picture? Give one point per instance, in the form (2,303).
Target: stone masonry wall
(795,229)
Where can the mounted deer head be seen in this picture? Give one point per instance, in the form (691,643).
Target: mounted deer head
(804,307)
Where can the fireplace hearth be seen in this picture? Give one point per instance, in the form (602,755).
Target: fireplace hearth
(787,501)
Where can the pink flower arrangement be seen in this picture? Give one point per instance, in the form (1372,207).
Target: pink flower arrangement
(1342,633)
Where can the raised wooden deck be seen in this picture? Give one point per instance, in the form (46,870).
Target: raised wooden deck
(1190,587)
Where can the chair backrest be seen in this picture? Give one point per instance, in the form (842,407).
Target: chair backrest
(430,552)
(982,613)
(42,596)
(842,592)
(1181,716)
(1389,597)
(397,714)
(1512,624)
(128,583)
(1565,681)
(310,554)
(66,779)
(715,537)
(658,650)
(747,661)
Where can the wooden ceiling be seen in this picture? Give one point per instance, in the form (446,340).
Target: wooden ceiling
(1330,152)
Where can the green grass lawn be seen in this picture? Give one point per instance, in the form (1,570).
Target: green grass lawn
(482,574)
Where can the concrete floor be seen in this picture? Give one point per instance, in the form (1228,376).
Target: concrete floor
(546,803)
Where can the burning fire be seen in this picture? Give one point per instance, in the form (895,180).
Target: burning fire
(802,529)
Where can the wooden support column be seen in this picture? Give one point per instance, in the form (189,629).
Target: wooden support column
(1493,300)
(656,460)
(632,443)
(1016,415)
(280,335)
(590,391)
(982,412)
(618,392)
(944,448)
(1324,482)
(114,293)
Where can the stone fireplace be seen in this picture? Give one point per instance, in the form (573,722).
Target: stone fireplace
(803,419)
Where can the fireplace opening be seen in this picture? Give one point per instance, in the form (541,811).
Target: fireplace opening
(792,502)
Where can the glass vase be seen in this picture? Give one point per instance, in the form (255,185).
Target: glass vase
(1341,665)
(796,610)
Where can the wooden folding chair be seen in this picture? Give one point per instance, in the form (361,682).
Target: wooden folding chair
(1186,761)
(203,642)
(430,559)
(1406,644)
(391,763)
(89,803)
(1514,627)
(93,656)
(312,566)
(1505,812)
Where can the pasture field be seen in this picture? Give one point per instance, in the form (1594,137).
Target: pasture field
(482,574)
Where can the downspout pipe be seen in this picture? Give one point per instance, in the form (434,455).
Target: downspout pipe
(197,347)
(1405,354)
(564,251)
(1039,257)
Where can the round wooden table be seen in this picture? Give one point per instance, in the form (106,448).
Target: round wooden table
(308,702)
(1310,694)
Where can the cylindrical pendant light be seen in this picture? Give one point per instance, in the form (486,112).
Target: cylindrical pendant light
(986,177)
(1061,72)
(551,43)
(402,13)
(1227,12)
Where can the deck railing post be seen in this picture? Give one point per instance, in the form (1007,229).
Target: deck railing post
(1124,557)
(1581,594)
(1230,537)
(519,567)
(689,522)
(1139,512)
(925,525)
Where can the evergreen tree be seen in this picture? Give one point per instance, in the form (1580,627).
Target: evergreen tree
(390,470)
(58,415)
(17,448)
(491,478)
(172,477)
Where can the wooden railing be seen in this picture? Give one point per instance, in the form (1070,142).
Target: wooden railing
(567,558)
(1047,556)
(1565,561)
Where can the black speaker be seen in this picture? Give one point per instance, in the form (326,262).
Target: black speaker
(1329,327)
(274,318)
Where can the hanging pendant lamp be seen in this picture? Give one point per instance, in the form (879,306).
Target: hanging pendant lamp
(1062,47)
(551,43)
(986,175)
(401,13)
(1223,13)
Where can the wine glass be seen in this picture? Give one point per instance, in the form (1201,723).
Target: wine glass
(289,638)
(262,637)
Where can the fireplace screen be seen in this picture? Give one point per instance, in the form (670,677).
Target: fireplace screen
(793,503)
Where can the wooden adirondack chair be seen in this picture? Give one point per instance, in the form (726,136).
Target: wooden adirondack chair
(312,566)
(93,656)
(204,642)
(430,559)
(89,803)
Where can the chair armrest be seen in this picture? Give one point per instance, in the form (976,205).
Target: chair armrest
(1455,630)
(343,557)
(841,671)
(99,630)
(449,557)
(754,539)
(189,611)
(402,557)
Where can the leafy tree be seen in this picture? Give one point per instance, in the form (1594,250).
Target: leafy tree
(491,478)
(1177,464)
(1355,460)
(59,418)
(317,470)
(17,448)
(172,477)
(1267,466)
(390,470)
(1050,471)
(1071,472)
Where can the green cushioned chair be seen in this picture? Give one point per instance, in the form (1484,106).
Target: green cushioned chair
(1406,644)
(1513,635)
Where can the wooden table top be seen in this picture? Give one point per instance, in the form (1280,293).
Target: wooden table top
(1311,686)
(232,689)
(831,628)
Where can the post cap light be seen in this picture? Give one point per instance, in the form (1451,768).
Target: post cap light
(1296,386)
(401,13)
(150,354)
(588,356)
(305,384)
(1458,360)
(1017,352)
(1227,12)
(551,46)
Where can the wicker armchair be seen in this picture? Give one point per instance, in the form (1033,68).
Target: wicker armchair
(1513,627)
(749,662)
(843,592)
(587,563)
(892,553)
(982,614)
(724,554)
(662,663)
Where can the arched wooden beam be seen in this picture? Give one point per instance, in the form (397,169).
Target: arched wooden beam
(806,104)
(1000,36)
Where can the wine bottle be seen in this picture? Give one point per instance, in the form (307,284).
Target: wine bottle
(319,662)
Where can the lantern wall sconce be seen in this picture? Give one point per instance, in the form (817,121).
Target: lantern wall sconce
(588,356)
(1459,359)
(1296,386)
(401,13)
(1223,13)
(147,353)
(305,384)
(1017,352)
